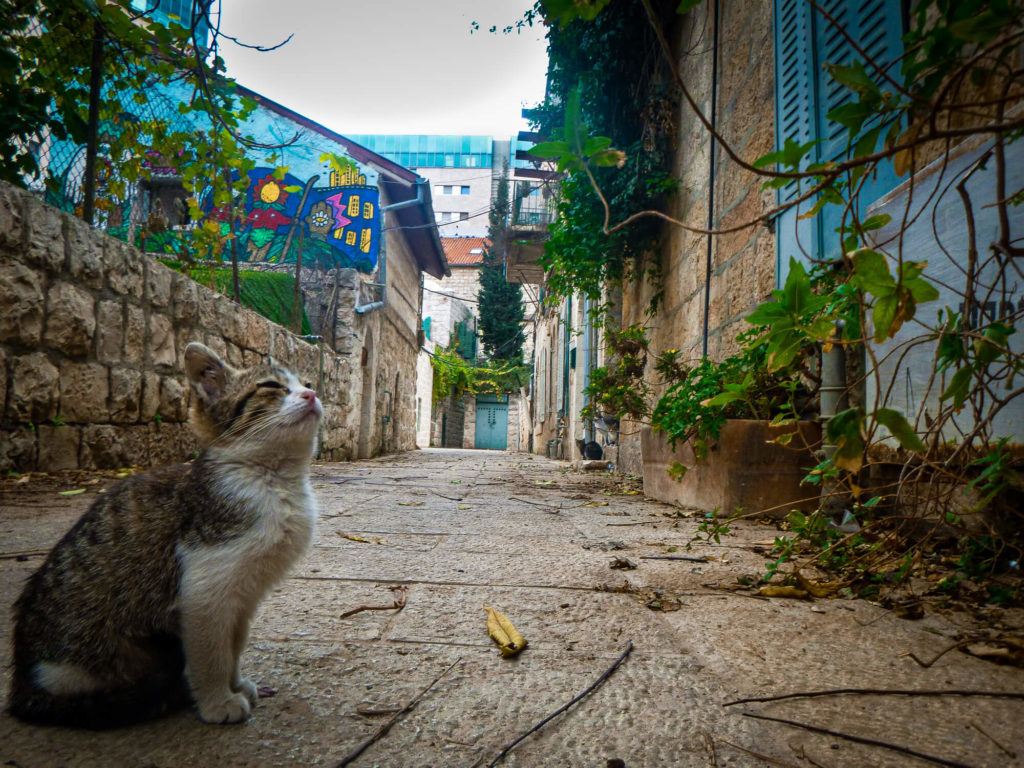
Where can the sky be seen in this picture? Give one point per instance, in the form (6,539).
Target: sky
(391,66)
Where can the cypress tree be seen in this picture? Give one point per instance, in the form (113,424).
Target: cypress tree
(501,302)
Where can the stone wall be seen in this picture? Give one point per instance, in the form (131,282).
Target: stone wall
(742,263)
(92,340)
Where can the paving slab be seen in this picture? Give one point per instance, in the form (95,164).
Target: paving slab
(463,529)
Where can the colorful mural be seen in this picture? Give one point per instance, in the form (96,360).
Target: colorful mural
(336,226)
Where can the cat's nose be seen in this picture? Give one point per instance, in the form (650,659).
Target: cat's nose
(309,396)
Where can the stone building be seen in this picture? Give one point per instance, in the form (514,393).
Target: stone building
(758,79)
(450,320)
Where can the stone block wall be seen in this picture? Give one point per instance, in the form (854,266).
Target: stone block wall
(92,341)
(742,263)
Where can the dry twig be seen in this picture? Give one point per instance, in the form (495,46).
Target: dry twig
(579,697)
(878,692)
(351,756)
(860,740)
(401,593)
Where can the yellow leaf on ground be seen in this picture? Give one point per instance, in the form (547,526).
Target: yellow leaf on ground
(819,588)
(71,493)
(501,631)
(774,590)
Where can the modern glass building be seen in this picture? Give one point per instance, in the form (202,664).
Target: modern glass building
(431,151)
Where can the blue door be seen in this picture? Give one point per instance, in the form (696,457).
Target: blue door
(492,422)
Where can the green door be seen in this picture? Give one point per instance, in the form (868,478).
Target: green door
(492,422)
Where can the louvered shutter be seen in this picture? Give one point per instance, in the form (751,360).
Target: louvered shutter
(876,26)
(795,113)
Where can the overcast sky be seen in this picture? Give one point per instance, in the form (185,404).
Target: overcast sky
(391,66)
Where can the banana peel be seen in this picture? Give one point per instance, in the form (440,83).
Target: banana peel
(509,641)
(819,588)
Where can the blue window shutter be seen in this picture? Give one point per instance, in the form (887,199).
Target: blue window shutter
(876,26)
(795,112)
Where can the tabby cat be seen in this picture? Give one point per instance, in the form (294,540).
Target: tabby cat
(145,603)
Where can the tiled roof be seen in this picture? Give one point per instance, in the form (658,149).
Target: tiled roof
(464,251)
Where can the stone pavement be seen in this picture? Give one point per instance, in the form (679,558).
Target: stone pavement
(529,536)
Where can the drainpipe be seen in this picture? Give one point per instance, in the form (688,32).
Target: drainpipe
(585,363)
(832,394)
(421,196)
(711,179)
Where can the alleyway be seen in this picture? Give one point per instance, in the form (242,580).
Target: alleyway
(464,529)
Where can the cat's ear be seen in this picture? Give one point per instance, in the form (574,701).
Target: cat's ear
(207,373)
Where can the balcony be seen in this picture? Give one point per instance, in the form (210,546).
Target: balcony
(533,210)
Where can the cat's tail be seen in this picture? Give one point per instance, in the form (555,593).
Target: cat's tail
(100,710)
(163,692)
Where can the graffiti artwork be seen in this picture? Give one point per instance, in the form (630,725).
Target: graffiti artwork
(335,226)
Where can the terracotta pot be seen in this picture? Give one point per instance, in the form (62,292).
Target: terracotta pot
(742,470)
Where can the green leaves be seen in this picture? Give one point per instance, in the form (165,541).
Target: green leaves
(895,301)
(899,428)
(577,148)
(792,319)
(845,430)
(564,12)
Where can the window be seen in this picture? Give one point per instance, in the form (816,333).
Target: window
(350,237)
(463,216)
(446,216)
(805,41)
(471,161)
(367,210)
(353,206)
(449,161)
(464,189)
(448,189)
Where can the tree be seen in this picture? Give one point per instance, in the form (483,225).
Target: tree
(141,95)
(501,302)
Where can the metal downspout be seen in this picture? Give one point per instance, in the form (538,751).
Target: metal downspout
(832,394)
(362,309)
(711,180)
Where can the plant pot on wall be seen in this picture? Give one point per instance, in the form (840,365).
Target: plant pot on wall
(743,470)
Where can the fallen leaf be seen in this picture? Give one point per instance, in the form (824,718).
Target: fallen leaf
(23,479)
(500,629)
(596,504)
(71,493)
(819,588)
(463,506)
(661,601)
(411,503)
(775,590)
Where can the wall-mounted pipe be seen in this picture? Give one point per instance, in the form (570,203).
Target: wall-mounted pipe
(711,180)
(832,399)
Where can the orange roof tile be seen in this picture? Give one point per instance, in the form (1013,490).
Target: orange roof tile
(464,251)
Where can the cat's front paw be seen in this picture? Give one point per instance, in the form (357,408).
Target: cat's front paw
(234,708)
(247,688)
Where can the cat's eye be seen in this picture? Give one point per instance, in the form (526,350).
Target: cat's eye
(270,384)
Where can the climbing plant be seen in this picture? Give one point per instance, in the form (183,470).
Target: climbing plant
(959,79)
(454,375)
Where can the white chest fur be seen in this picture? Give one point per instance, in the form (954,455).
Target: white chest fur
(282,510)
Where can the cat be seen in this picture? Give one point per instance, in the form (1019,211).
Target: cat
(589,450)
(144,606)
